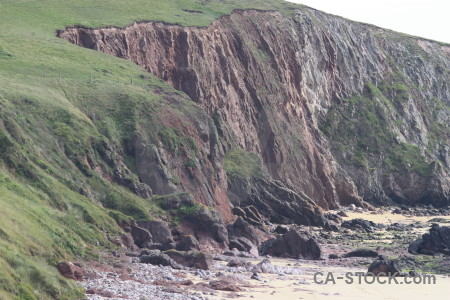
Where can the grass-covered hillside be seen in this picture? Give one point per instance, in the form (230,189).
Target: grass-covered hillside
(60,105)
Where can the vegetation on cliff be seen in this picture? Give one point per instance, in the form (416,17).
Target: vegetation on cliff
(75,122)
(61,106)
(362,126)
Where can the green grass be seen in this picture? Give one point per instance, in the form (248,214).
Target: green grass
(34,235)
(360,123)
(64,108)
(66,111)
(178,206)
(363,126)
(409,157)
(176,142)
(241,164)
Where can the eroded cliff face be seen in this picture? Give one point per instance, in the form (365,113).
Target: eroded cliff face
(270,80)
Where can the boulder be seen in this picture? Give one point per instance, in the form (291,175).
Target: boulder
(331,226)
(241,228)
(232,252)
(187,243)
(361,225)
(191,259)
(400,227)
(126,239)
(206,216)
(160,232)
(384,268)
(244,244)
(238,263)
(414,247)
(362,253)
(434,242)
(156,257)
(333,217)
(220,233)
(99,292)
(176,201)
(208,221)
(275,201)
(225,285)
(397,211)
(70,270)
(264,266)
(342,213)
(142,237)
(293,244)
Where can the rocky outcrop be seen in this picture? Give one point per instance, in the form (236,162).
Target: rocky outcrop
(187,243)
(275,201)
(270,81)
(384,268)
(227,284)
(207,224)
(243,244)
(156,257)
(181,157)
(361,225)
(241,228)
(293,244)
(250,214)
(160,232)
(142,237)
(191,259)
(435,242)
(127,241)
(70,270)
(361,253)
(243,237)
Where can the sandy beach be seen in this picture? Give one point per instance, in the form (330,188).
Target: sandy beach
(303,286)
(289,279)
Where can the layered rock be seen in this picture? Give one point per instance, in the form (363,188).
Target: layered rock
(269,80)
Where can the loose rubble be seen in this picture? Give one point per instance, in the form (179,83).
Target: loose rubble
(187,272)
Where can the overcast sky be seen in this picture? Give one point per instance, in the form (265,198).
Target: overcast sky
(429,18)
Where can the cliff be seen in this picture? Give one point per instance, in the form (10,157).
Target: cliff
(273,105)
(334,109)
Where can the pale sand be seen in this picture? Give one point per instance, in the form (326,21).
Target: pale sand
(302,286)
(389,218)
(292,287)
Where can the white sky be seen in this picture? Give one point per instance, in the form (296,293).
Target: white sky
(425,18)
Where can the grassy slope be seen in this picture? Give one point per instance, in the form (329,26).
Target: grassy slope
(46,95)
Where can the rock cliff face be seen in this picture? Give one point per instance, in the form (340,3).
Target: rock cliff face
(336,111)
